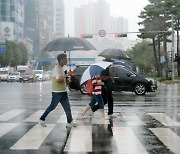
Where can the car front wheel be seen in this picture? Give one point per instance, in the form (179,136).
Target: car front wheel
(140,89)
(82,89)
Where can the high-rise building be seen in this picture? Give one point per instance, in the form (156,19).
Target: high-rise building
(92,17)
(118,25)
(12,19)
(59,18)
(44,21)
(31,20)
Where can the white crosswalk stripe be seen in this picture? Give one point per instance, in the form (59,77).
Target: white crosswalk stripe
(63,118)
(127,142)
(34,117)
(80,140)
(169,138)
(6,127)
(164,119)
(11,114)
(33,138)
(132,119)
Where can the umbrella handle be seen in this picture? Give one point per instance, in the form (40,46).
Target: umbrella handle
(69,61)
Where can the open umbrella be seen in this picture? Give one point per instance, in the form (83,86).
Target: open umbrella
(69,44)
(115,54)
(93,70)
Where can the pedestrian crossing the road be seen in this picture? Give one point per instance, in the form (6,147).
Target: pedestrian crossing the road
(129,133)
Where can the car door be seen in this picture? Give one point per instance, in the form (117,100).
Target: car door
(122,79)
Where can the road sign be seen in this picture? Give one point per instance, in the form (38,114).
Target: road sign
(2,48)
(102,33)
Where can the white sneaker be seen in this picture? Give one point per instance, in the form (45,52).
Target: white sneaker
(71,124)
(42,123)
(112,116)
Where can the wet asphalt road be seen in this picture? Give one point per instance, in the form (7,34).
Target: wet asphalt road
(144,124)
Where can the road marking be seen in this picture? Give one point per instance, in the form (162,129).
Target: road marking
(63,118)
(165,120)
(34,117)
(33,138)
(127,142)
(6,127)
(10,114)
(169,138)
(79,140)
(132,119)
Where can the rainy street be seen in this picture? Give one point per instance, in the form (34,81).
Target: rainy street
(144,124)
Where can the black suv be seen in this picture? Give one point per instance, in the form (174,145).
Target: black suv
(125,80)
(76,78)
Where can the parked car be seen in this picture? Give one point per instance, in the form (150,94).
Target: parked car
(125,80)
(48,75)
(13,76)
(28,76)
(40,75)
(3,75)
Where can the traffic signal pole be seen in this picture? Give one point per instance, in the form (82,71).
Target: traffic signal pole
(172,48)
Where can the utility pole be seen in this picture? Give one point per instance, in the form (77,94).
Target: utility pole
(172,48)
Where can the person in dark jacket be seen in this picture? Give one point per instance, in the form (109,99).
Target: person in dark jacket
(107,92)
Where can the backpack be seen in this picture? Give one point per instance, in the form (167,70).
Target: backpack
(89,86)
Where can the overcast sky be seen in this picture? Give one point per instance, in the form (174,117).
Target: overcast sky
(129,9)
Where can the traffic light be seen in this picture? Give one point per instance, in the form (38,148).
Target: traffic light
(177,57)
(120,35)
(171,58)
(86,36)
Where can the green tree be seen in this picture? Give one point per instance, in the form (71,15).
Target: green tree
(157,17)
(24,53)
(16,54)
(142,56)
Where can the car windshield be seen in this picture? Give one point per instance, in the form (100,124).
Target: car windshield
(38,72)
(3,72)
(14,73)
(80,69)
(27,73)
(129,71)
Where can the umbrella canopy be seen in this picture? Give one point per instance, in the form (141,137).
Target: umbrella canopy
(115,53)
(93,70)
(69,44)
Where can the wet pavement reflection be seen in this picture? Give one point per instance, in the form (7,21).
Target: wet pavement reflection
(144,124)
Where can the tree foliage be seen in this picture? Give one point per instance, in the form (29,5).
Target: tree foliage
(16,54)
(142,56)
(156,16)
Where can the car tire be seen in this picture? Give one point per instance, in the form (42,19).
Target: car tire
(140,89)
(82,89)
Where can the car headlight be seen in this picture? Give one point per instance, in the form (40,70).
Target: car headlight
(153,81)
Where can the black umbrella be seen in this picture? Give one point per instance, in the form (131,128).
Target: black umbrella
(69,44)
(115,54)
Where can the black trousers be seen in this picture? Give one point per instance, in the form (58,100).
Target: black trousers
(108,99)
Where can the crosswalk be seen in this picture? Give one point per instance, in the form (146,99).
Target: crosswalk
(129,133)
